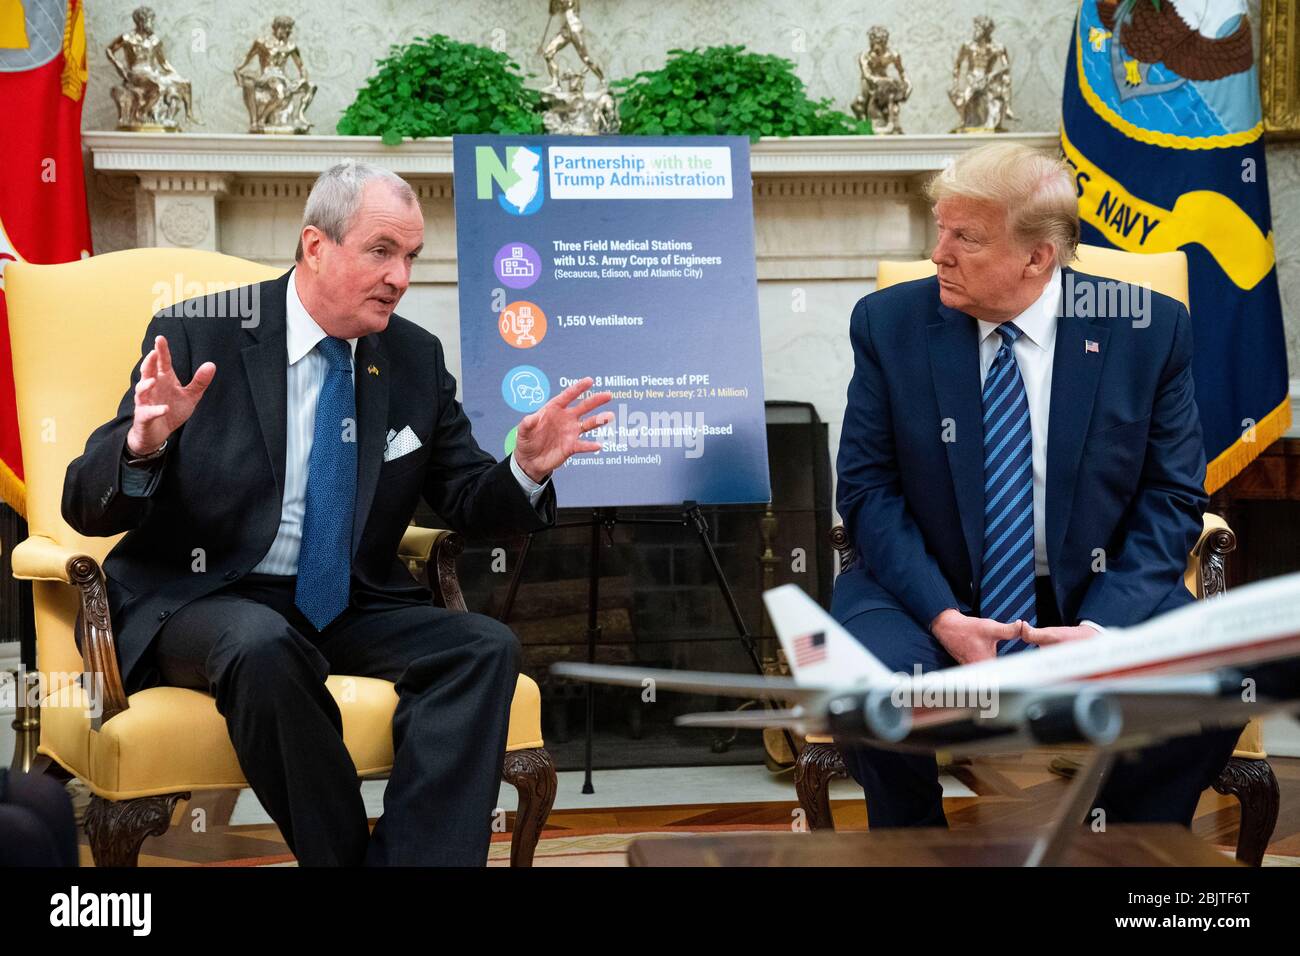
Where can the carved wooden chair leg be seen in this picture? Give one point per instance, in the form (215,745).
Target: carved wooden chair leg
(116,828)
(532,773)
(817,766)
(1253,783)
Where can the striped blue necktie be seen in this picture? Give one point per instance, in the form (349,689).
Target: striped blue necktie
(325,558)
(1007,584)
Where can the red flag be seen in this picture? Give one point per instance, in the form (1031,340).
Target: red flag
(43,216)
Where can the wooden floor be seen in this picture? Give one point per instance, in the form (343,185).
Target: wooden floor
(1014,791)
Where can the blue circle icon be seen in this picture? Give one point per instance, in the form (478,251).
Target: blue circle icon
(525,388)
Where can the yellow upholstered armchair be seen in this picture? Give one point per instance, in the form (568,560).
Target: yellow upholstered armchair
(76,330)
(1248,775)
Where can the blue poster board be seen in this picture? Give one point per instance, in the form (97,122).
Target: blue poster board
(630,260)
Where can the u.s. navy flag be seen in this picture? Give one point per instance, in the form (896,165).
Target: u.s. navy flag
(43,215)
(1161,122)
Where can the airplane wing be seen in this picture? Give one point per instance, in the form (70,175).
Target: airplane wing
(698,682)
(795,718)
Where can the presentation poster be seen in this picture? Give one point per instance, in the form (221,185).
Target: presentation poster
(629,260)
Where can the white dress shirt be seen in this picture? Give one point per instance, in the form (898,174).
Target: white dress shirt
(306,375)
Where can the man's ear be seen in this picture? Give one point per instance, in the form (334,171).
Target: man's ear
(311,241)
(1042,258)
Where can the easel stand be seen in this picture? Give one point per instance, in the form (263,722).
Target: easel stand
(607,518)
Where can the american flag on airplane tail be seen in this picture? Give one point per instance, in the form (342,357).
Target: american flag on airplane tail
(809,649)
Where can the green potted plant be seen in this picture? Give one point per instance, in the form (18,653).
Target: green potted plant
(436,86)
(726,90)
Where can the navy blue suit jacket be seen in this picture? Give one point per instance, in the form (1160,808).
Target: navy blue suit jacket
(1125,461)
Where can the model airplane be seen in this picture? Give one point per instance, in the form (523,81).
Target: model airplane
(1185,671)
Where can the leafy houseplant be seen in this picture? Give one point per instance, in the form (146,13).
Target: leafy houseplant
(726,90)
(435,86)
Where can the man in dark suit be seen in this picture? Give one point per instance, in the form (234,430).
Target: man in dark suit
(264,502)
(1021,464)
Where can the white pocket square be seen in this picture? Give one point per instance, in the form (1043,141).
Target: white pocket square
(400,443)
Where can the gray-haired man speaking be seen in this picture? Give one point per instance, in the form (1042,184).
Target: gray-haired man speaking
(292,451)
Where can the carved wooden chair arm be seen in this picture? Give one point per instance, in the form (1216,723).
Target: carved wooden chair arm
(39,558)
(1216,542)
(419,547)
(843,546)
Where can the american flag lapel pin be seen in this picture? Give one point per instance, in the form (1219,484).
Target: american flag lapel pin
(1090,346)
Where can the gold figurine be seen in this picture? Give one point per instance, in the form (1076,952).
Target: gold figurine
(983,99)
(152,93)
(276,103)
(571,33)
(882,95)
(571,109)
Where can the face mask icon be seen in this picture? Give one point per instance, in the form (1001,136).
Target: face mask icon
(517,324)
(527,389)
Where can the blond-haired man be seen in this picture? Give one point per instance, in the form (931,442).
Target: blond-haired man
(1021,464)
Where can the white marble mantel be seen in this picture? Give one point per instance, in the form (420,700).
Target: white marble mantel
(825,207)
(305,155)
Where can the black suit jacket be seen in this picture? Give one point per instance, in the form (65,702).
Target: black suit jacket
(212,509)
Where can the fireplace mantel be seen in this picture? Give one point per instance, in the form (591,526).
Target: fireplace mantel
(243,153)
(826,207)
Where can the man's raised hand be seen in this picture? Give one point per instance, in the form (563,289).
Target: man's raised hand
(162,404)
(549,436)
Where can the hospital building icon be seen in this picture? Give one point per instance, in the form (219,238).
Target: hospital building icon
(517,265)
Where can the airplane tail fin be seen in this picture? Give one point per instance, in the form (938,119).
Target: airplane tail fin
(820,651)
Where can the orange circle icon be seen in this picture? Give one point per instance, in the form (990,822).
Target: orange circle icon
(522,324)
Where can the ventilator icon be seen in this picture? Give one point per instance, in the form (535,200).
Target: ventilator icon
(522,324)
(517,325)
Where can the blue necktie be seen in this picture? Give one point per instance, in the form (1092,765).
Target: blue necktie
(325,558)
(1007,584)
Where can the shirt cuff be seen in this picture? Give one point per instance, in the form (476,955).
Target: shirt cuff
(1093,624)
(138,481)
(531,488)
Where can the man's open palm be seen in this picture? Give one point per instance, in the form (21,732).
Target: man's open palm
(549,436)
(162,404)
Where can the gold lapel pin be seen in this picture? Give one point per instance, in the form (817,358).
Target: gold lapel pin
(373,370)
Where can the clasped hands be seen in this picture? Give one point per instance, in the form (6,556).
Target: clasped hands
(970,639)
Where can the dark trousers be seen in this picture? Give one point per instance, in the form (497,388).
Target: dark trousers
(37,825)
(1159,784)
(253,650)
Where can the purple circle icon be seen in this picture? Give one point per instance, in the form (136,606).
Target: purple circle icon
(517,265)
